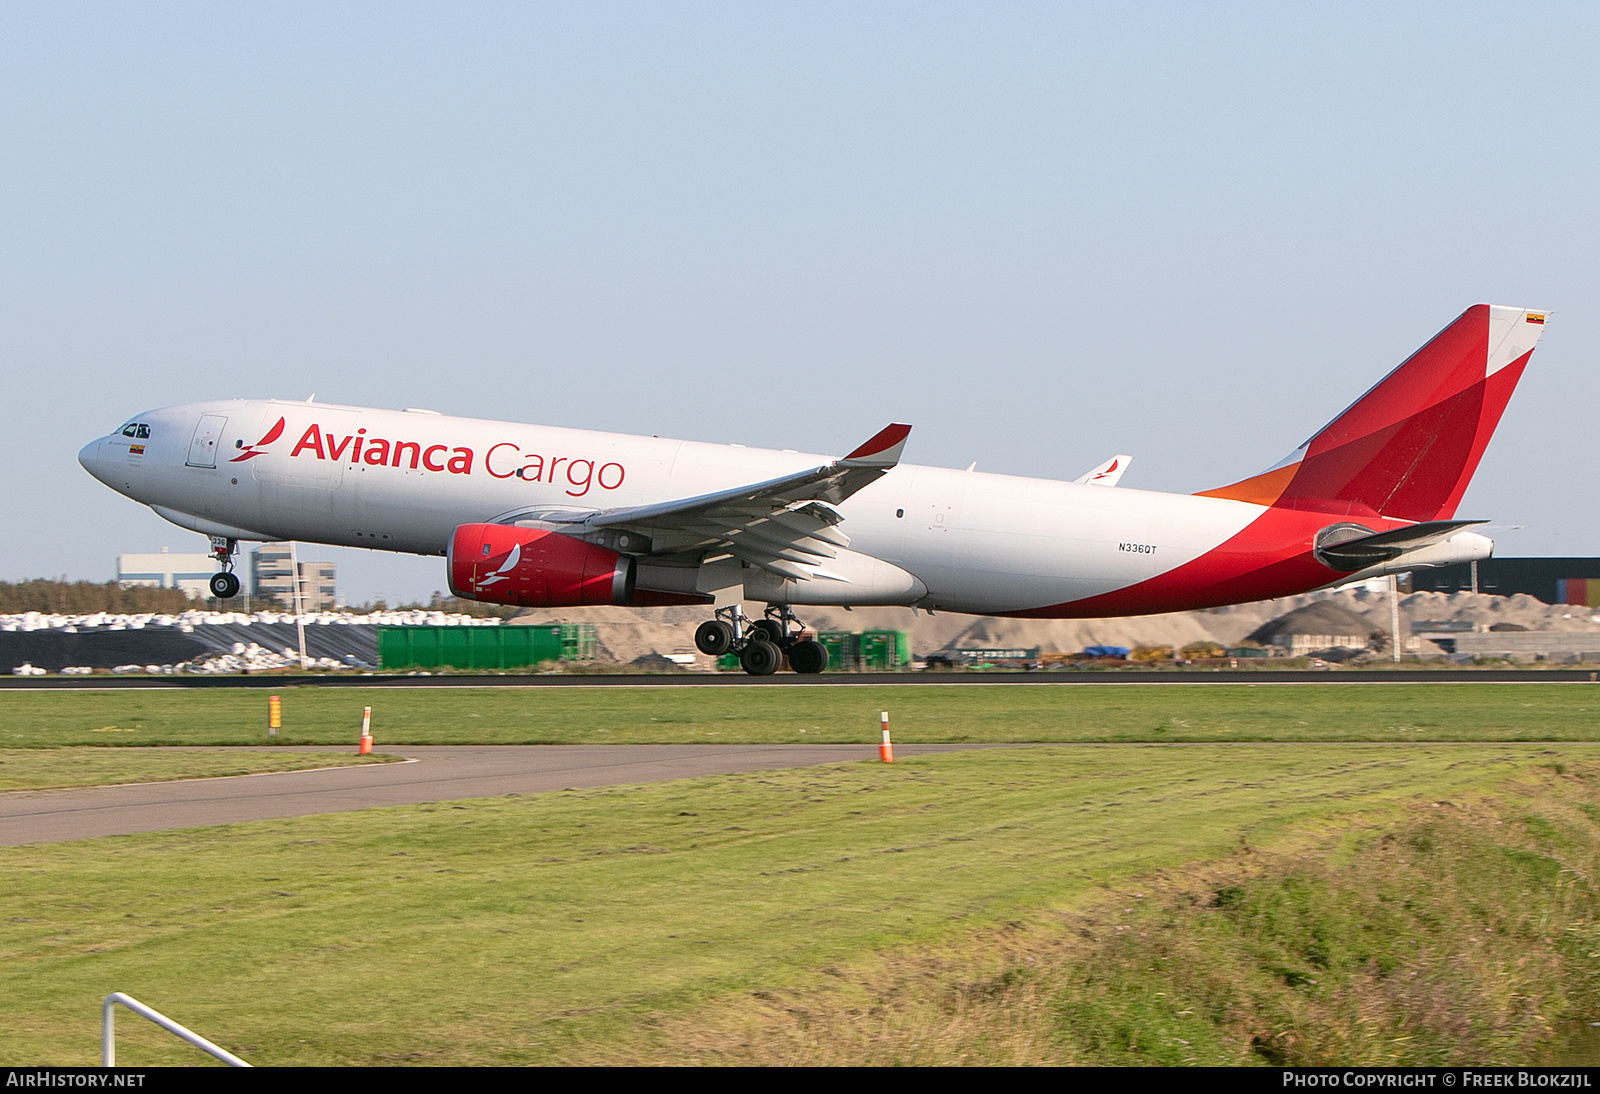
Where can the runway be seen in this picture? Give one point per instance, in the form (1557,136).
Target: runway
(1137,678)
(434,773)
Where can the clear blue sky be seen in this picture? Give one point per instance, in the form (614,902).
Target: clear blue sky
(1042,233)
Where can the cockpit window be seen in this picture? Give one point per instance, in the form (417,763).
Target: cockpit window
(144,431)
(139,430)
(130,429)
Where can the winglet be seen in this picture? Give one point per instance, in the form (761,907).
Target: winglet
(1108,473)
(883,450)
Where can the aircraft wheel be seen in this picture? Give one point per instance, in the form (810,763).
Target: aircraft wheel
(768,629)
(808,656)
(224,585)
(761,658)
(713,638)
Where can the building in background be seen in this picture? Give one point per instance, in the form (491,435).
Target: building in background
(272,576)
(271,572)
(167,571)
(320,591)
(1552,580)
(1322,628)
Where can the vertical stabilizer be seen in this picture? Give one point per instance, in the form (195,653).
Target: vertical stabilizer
(1408,448)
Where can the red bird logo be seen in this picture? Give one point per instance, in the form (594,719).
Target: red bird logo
(255,450)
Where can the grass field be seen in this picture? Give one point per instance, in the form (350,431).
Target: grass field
(55,768)
(1393,712)
(1044,905)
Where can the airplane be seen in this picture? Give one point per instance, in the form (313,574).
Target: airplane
(542,516)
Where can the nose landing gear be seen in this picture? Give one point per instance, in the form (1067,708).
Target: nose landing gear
(763,643)
(224,584)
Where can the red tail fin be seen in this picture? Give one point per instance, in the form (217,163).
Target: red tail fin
(1407,448)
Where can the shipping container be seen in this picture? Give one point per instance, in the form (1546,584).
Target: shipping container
(484,648)
(1580,591)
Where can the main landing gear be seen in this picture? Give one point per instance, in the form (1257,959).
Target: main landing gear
(761,644)
(224,584)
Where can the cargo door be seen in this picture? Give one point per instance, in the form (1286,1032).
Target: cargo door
(203,447)
(320,464)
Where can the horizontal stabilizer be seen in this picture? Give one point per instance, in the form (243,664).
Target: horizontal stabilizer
(1343,547)
(1106,474)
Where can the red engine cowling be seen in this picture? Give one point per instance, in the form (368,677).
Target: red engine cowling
(500,564)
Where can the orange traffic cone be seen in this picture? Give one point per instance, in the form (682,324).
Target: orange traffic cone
(885,749)
(366,730)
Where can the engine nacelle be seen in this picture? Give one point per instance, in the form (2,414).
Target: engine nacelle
(503,564)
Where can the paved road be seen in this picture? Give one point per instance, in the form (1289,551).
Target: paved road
(436,773)
(827,679)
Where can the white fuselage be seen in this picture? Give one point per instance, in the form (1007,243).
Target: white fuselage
(404,480)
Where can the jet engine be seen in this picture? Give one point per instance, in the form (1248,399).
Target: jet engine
(504,564)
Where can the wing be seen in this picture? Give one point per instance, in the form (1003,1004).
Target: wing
(1107,473)
(787,526)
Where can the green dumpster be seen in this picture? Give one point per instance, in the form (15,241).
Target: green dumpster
(484,648)
(884,651)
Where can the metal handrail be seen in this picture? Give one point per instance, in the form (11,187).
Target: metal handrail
(108,1045)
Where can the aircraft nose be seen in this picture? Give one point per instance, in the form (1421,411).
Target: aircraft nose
(89,456)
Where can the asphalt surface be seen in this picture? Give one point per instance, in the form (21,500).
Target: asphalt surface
(828,679)
(436,773)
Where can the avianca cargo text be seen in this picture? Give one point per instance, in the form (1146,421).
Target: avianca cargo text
(504,460)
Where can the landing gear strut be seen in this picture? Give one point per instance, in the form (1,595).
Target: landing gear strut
(224,584)
(761,644)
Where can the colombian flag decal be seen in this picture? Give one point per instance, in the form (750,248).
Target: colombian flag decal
(1534,317)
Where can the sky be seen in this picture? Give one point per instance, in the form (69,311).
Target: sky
(1040,233)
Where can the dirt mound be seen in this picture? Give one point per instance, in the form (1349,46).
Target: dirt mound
(1324,617)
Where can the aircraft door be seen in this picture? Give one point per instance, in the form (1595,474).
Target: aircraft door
(203,448)
(319,468)
(307,495)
